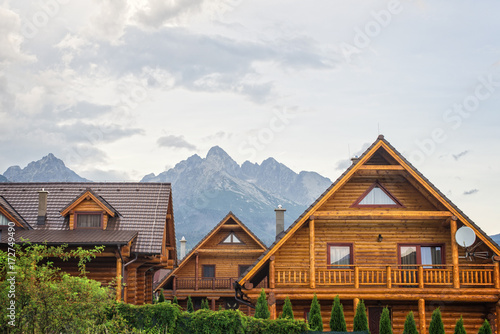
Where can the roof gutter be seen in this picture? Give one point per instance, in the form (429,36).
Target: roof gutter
(239,296)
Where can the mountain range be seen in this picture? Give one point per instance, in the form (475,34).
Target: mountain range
(206,189)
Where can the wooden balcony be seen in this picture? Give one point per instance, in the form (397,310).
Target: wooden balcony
(190,283)
(396,276)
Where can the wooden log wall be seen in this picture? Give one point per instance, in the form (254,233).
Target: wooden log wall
(87,205)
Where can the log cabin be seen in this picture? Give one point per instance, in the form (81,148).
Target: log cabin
(209,270)
(134,221)
(384,234)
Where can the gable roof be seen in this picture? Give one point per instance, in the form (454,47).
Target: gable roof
(142,206)
(217,228)
(394,156)
(99,200)
(11,213)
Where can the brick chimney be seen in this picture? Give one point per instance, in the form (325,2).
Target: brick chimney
(280,220)
(42,207)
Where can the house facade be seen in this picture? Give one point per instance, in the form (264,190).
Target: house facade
(134,221)
(209,270)
(384,234)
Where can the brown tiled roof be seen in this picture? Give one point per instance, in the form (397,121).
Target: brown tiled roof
(142,207)
(7,207)
(76,237)
(341,177)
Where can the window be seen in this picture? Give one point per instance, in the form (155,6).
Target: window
(426,255)
(242,268)
(208,271)
(377,196)
(88,220)
(232,239)
(339,256)
(3,220)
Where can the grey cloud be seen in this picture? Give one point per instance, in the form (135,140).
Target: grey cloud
(105,175)
(460,155)
(471,192)
(343,164)
(89,133)
(103,26)
(175,142)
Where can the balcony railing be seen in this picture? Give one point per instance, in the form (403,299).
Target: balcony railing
(190,283)
(391,276)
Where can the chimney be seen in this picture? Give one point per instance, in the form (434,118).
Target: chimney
(355,159)
(183,247)
(42,207)
(280,220)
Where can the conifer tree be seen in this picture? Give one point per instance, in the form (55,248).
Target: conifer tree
(190,307)
(410,325)
(436,326)
(220,307)
(261,309)
(459,327)
(204,304)
(287,310)
(315,320)
(485,328)
(161,297)
(174,301)
(385,322)
(360,319)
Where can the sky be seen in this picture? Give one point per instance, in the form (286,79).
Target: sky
(120,89)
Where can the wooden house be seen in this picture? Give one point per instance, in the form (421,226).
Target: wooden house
(134,221)
(213,265)
(384,234)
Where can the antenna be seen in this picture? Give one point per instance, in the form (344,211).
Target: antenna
(465,237)
(348,152)
(378,128)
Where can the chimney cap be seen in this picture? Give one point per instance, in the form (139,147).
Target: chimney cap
(280,208)
(183,239)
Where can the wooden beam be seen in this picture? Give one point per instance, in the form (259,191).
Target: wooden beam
(196,275)
(497,277)
(381,214)
(454,254)
(381,167)
(229,251)
(421,315)
(272,273)
(355,304)
(312,255)
(118,279)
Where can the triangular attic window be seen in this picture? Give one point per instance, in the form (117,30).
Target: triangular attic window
(376,196)
(232,239)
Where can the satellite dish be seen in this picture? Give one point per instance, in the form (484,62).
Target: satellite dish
(465,236)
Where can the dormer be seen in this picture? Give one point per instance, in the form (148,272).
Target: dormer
(88,211)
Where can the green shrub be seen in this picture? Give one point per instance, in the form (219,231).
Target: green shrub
(287,310)
(204,304)
(410,325)
(360,319)
(261,309)
(459,326)
(436,326)
(485,328)
(161,297)
(190,307)
(315,319)
(337,320)
(174,301)
(385,322)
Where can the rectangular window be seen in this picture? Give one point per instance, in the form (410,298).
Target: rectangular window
(339,256)
(88,220)
(426,255)
(208,271)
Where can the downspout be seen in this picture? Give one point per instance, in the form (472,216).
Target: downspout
(238,293)
(123,267)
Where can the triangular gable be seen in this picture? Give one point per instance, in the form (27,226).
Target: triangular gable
(230,218)
(377,195)
(88,193)
(12,215)
(386,149)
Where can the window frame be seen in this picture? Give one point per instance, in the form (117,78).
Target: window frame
(384,189)
(77,213)
(203,271)
(419,252)
(231,243)
(339,244)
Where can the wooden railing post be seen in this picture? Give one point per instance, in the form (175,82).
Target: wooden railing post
(312,255)
(421,277)
(389,277)
(496,275)
(421,315)
(454,253)
(213,283)
(356,277)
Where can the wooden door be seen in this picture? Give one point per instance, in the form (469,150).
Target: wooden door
(374,314)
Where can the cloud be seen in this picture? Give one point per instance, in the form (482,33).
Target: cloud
(175,142)
(343,164)
(110,21)
(98,175)
(11,39)
(471,192)
(158,12)
(460,155)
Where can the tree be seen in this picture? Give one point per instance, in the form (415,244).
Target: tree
(436,326)
(385,322)
(287,310)
(174,301)
(410,325)
(360,319)
(459,327)
(337,320)
(485,328)
(261,309)
(190,307)
(204,304)
(315,320)
(161,297)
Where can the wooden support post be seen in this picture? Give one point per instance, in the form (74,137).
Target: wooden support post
(421,315)
(213,304)
(498,318)
(389,277)
(356,277)
(118,279)
(272,273)
(421,277)
(196,271)
(454,253)
(356,302)
(312,256)
(273,311)
(174,285)
(497,275)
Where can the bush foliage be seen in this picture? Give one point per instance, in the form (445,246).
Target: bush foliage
(261,309)
(385,322)
(485,328)
(459,326)
(436,326)
(337,320)
(315,320)
(360,319)
(410,325)
(287,310)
